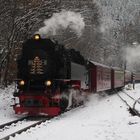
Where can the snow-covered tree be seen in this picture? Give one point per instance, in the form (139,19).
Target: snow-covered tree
(109,27)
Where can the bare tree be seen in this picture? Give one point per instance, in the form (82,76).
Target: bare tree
(18,24)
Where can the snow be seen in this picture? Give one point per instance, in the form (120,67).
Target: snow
(6,111)
(103,117)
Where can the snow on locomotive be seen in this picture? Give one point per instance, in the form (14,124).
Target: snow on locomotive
(50,78)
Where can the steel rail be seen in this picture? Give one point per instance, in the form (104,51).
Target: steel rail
(132,108)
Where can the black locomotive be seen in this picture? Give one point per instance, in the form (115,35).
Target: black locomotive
(46,72)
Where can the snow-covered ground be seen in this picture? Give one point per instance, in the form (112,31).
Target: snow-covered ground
(102,118)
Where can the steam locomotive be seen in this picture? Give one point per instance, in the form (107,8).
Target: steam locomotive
(52,79)
(49,78)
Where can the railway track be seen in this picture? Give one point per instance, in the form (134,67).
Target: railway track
(4,136)
(130,102)
(12,122)
(27,119)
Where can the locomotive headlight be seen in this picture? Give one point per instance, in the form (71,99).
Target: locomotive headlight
(37,37)
(21,83)
(48,83)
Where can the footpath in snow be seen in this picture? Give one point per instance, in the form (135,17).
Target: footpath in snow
(102,118)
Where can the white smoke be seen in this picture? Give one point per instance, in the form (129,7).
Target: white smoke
(133,57)
(106,24)
(63,20)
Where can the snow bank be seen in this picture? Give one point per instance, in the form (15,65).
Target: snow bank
(6,110)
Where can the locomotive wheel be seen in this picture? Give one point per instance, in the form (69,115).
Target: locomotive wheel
(63,104)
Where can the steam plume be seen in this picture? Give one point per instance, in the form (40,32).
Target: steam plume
(133,57)
(63,20)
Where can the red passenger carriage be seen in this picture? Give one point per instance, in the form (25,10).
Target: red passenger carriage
(117,78)
(136,77)
(99,77)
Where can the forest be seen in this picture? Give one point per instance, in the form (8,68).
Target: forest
(105,31)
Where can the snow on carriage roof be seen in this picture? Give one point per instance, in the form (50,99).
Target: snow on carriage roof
(105,66)
(117,68)
(98,64)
